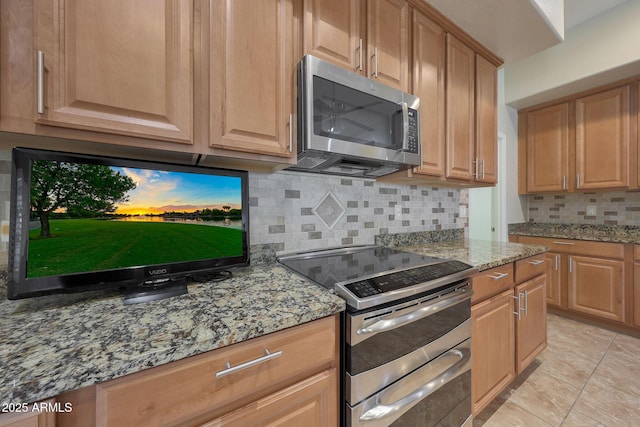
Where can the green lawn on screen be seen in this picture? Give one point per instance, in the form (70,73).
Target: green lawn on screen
(80,245)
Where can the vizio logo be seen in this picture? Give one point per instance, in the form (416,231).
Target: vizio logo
(158,271)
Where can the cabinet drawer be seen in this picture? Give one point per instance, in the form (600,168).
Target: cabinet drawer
(190,389)
(578,247)
(491,282)
(529,267)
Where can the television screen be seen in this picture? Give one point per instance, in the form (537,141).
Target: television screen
(82,222)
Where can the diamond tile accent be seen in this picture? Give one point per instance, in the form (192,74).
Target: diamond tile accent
(329,210)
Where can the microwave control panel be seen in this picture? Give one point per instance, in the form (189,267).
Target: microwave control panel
(412,136)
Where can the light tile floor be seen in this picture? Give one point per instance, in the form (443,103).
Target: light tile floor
(587,376)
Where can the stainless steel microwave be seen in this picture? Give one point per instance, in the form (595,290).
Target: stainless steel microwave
(351,125)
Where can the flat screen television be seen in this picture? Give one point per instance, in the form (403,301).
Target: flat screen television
(83,222)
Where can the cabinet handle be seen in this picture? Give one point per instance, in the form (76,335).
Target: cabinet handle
(577,180)
(359,49)
(564,182)
(526,303)
(482,163)
(570,265)
(291,132)
(563,243)
(499,276)
(375,64)
(517,312)
(476,163)
(231,369)
(555,261)
(536,262)
(40,83)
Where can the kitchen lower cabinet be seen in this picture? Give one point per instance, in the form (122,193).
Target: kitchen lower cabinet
(493,348)
(289,377)
(592,279)
(596,286)
(509,325)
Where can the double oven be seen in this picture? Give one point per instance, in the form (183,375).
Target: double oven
(406,334)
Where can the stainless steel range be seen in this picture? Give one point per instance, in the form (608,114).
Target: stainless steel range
(407,333)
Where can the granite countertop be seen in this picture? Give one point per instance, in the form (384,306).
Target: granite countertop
(598,233)
(58,343)
(482,254)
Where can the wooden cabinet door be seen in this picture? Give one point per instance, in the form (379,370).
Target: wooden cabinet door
(547,149)
(116,66)
(252,76)
(29,415)
(332,32)
(428,85)
(554,279)
(388,42)
(636,293)
(309,403)
(531,329)
(460,111)
(493,348)
(596,286)
(486,121)
(603,140)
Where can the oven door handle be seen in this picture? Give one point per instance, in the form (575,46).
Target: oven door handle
(462,356)
(387,323)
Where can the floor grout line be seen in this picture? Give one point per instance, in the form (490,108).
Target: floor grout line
(604,353)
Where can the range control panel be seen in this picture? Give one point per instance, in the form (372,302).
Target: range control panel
(405,278)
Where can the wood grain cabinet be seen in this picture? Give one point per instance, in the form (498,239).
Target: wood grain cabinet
(289,377)
(544,149)
(251,72)
(636,285)
(117,67)
(370,37)
(603,145)
(554,279)
(509,325)
(27,416)
(586,142)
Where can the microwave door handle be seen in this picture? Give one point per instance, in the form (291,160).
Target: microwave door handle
(405,126)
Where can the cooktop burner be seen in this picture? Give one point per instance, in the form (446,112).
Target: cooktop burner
(366,276)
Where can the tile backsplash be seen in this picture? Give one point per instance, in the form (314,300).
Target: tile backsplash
(292,211)
(611,208)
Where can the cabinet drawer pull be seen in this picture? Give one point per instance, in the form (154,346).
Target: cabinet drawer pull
(231,369)
(499,276)
(40,83)
(536,262)
(359,67)
(563,243)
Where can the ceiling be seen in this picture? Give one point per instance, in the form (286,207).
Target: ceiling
(522,27)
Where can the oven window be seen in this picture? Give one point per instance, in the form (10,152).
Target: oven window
(387,346)
(448,406)
(348,114)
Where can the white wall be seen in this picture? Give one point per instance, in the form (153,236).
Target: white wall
(516,206)
(599,51)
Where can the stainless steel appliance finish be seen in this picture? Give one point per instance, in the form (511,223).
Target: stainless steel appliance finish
(351,125)
(407,356)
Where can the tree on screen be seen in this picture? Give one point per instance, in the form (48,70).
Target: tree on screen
(75,186)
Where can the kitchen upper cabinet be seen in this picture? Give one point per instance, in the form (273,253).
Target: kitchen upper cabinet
(460,110)
(545,158)
(429,44)
(603,146)
(531,327)
(388,42)
(486,121)
(596,286)
(332,32)
(120,67)
(335,31)
(251,73)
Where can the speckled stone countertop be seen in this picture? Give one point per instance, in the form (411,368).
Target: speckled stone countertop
(599,233)
(58,343)
(479,253)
